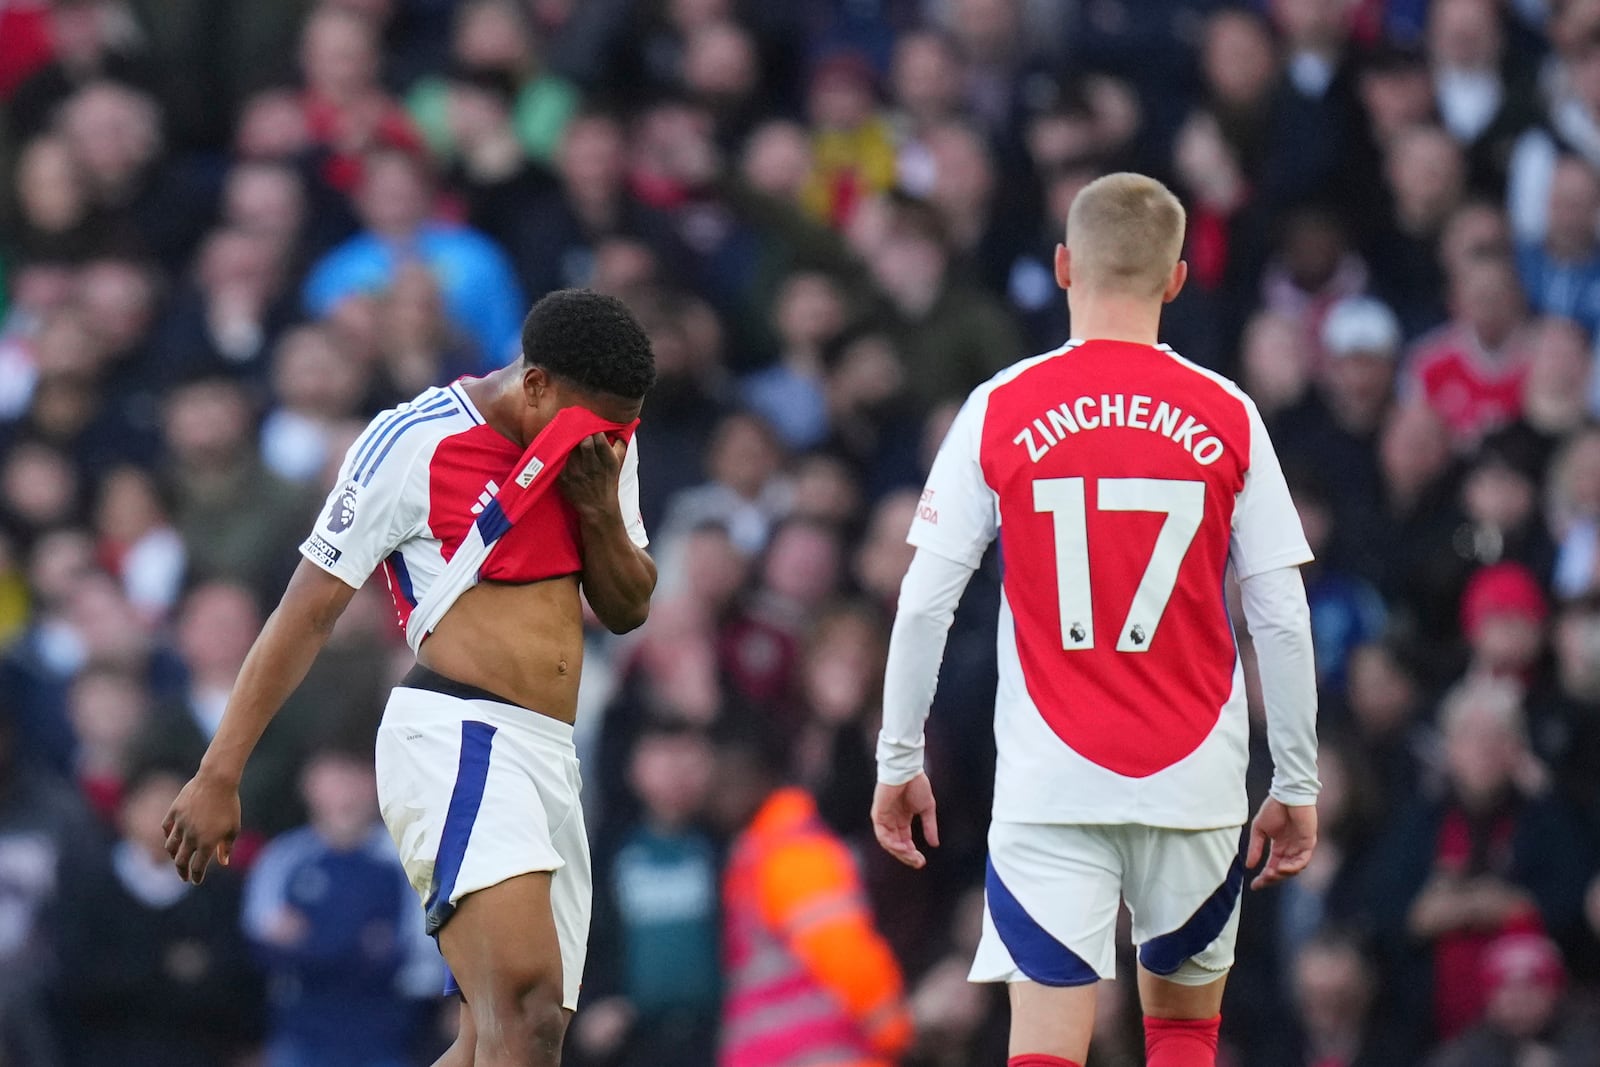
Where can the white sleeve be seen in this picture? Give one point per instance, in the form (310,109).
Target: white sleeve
(928,597)
(1266,526)
(959,514)
(368,515)
(628,495)
(1279,621)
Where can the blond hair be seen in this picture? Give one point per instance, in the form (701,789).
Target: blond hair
(1125,233)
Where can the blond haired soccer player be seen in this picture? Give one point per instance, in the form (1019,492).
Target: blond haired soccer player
(1123,483)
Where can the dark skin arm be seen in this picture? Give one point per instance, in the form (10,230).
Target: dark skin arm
(204,820)
(618,575)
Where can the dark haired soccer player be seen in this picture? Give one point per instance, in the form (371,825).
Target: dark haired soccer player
(453,495)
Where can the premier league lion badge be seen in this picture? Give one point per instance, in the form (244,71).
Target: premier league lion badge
(343,510)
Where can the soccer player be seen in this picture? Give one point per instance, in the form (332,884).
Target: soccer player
(488,504)
(1122,482)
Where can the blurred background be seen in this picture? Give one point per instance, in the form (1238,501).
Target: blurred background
(235,229)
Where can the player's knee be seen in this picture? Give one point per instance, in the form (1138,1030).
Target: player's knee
(528,1021)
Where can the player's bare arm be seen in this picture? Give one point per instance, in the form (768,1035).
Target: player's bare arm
(204,820)
(618,576)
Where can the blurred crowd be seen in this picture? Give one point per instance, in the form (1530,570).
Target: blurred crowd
(233,231)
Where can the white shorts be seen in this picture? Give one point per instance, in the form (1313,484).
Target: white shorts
(1051,896)
(475,792)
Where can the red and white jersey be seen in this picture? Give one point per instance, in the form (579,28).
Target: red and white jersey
(1121,480)
(414,483)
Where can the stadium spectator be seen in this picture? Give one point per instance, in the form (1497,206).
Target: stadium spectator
(1526,1016)
(1337,425)
(1275,363)
(557,249)
(136,541)
(1480,860)
(1571,123)
(114,134)
(237,518)
(87,40)
(226,318)
(1564,714)
(395,204)
(808,975)
(319,393)
(336,929)
(1312,268)
(1389,742)
(495,35)
(154,972)
(1503,613)
(799,571)
(1336,991)
(853,146)
(1346,611)
(951,334)
(1481,108)
(1470,370)
(107,708)
(654,970)
(55,216)
(1561,273)
(495,178)
(1426,174)
(1559,391)
(810,313)
(347,112)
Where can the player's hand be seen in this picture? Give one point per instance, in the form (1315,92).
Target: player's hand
(1287,835)
(589,479)
(202,825)
(893,808)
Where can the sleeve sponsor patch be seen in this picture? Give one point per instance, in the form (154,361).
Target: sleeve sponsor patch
(320,551)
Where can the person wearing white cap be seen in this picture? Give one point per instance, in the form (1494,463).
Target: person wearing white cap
(1334,429)
(1361,338)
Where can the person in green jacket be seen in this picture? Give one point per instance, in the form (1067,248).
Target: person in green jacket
(494,34)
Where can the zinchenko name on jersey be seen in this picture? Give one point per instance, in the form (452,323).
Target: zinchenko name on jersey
(1088,413)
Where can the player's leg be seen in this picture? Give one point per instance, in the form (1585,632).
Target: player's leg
(1183,889)
(1050,912)
(502,947)
(1050,1025)
(484,812)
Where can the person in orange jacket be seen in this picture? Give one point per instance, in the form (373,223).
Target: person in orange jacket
(808,977)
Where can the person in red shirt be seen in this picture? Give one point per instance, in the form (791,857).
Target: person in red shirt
(346,107)
(1470,370)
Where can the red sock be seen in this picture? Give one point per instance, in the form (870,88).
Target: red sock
(1181,1042)
(1036,1059)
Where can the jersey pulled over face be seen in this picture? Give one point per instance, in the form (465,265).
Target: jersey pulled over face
(416,480)
(1121,481)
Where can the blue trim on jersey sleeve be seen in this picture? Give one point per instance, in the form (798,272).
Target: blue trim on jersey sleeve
(1165,954)
(477,740)
(1033,949)
(381,428)
(492,522)
(402,577)
(400,432)
(374,432)
(390,432)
